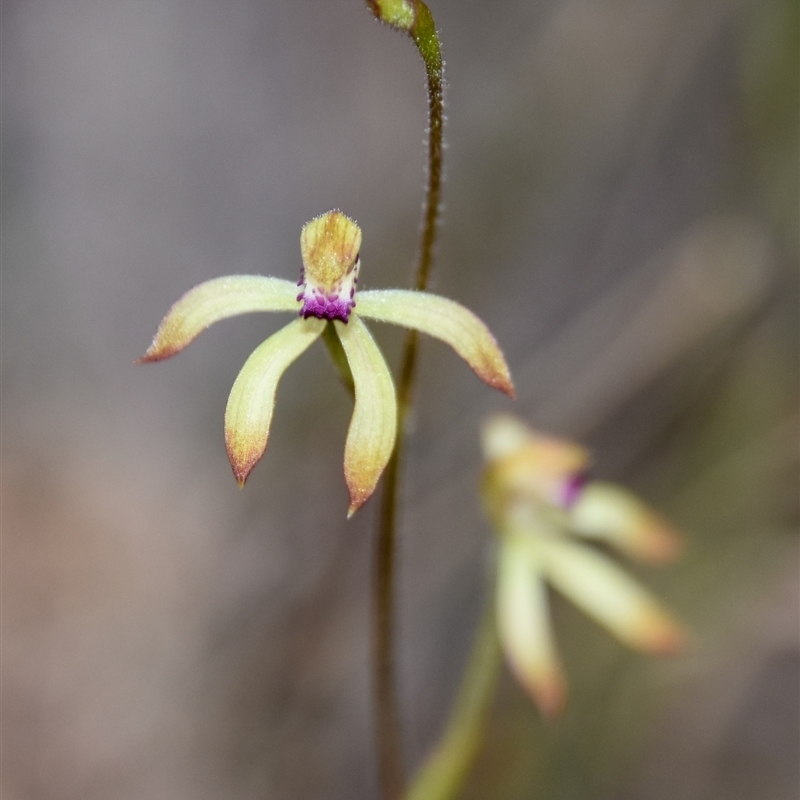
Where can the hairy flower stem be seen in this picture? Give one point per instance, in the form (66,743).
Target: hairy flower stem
(414,18)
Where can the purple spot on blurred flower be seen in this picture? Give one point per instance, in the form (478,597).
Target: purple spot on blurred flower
(572,489)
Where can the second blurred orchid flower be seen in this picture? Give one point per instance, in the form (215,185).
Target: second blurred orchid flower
(539,502)
(330,247)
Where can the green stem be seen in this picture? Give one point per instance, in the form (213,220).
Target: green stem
(338,358)
(414,18)
(444,773)
(423,32)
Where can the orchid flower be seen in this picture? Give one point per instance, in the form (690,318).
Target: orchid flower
(329,246)
(545,513)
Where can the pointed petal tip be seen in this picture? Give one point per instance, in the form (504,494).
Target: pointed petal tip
(240,472)
(242,463)
(492,369)
(241,468)
(157,353)
(546,687)
(358,496)
(655,632)
(666,638)
(352,508)
(664,544)
(504,384)
(550,696)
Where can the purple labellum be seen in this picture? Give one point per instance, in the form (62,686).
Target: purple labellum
(322,307)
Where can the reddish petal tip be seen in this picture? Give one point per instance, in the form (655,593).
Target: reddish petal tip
(149,358)
(671,640)
(356,501)
(498,377)
(659,634)
(552,700)
(158,352)
(241,470)
(664,545)
(547,690)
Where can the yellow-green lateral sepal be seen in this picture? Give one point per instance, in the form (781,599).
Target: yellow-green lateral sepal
(215,300)
(446,320)
(373,427)
(252,398)
(604,592)
(523,623)
(617,517)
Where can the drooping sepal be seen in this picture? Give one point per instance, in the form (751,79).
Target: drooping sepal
(604,592)
(373,427)
(214,300)
(252,399)
(446,320)
(523,622)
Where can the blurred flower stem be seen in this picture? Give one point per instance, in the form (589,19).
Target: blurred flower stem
(414,19)
(447,768)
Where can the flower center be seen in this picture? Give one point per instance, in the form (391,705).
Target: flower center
(329,245)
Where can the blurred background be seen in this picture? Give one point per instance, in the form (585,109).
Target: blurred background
(621,208)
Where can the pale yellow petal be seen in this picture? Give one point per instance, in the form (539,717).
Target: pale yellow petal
(502,434)
(523,622)
(215,300)
(252,398)
(446,320)
(373,427)
(610,596)
(617,517)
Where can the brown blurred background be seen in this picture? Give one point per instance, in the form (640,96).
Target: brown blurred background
(621,208)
